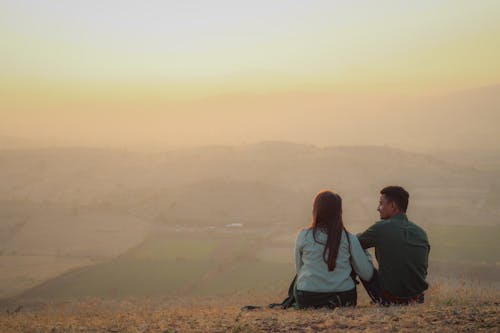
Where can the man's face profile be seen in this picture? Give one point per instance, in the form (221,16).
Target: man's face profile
(386,208)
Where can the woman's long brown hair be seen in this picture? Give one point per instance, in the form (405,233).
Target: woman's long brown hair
(327,217)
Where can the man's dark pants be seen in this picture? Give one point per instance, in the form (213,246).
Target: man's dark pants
(382,297)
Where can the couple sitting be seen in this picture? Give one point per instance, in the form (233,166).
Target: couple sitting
(328,257)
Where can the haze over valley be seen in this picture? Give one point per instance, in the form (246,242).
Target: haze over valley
(236,209)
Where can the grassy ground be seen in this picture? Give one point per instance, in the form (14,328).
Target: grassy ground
(462,308)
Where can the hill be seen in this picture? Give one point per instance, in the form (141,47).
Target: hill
(148,184)
(65,208)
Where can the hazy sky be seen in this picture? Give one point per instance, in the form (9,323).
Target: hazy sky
(70,67)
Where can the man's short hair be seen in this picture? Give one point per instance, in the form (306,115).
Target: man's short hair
(398,195)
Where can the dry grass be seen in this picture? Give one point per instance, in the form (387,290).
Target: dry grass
(457,307)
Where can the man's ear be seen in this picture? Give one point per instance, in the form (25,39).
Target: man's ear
(393,205)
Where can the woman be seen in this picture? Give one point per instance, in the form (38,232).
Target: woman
(325,254)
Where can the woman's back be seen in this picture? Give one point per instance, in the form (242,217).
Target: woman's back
(312,270)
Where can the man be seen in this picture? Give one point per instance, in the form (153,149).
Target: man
(402,251)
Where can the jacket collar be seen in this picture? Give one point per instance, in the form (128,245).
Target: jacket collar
(399,217)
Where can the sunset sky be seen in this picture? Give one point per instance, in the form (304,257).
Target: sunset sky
(138,63)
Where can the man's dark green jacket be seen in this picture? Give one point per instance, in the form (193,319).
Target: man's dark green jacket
(402,251)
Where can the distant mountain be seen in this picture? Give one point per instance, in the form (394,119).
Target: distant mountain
(466,120)
(226,181)
(485,93)
(8,142)
(457,120)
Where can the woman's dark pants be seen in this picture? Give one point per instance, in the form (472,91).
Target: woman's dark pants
(309,299)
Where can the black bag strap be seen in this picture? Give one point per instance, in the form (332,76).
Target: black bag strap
(290,300)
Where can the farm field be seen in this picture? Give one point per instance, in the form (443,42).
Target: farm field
(216,263)
(170,266)
(19,273)
(477,244)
